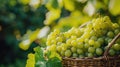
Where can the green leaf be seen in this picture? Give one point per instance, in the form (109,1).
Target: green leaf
(39,54)
(54,62)
(114,7)
(39,57)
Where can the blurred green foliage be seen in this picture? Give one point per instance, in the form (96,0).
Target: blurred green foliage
(16,17)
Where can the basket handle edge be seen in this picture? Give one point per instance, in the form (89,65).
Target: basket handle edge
(111,43)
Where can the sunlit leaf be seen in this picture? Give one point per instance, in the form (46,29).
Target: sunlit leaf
(69,4)
(114,7)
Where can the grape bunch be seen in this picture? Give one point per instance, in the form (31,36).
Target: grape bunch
(89,41)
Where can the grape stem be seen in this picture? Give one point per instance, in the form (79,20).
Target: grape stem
(110,45)
(85,24)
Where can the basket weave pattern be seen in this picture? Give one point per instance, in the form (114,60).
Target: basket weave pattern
(104,61)
(92,62)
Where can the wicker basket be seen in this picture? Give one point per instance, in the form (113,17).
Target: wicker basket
(104,61)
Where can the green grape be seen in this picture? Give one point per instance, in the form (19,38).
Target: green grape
(67,34)
(106,40)
(73,37)
(104,32)
(116,25)
(90,55)
(73,49)
(110,34)
(116,31)
(118,41)
(86,40)
(86,45)
(80,45)
(86,54)
(97,44)
(91,49)
(78,32)
(100,40)
(111,52)
(59,48)
(64,46)
(59,39)
(52,48)
(75,55)
(116,46)
(74,43)
(99,51)
(68,53)
(81,56)
(68,41)
(80,39)
(91,42)
(79,51)
(53,41)
(93,38)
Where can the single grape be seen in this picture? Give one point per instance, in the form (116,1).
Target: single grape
(118,41)
(91,42)
(111,52)
(90,55)
(116,46)
(79,51)
(74,43)
(75,55)
(59,48)
(104,32)
(80,45)
(100,40)
(86,40)
(110,34)
(116,31)
(59,39)
(73,49)
(116,25)
(91,49)
(93,38)
(53,48)
(67,34)
(78,32)
(68,53)
(86,45)
(97,44)
(99,51)
(68,41)
(81,56)
(53,41)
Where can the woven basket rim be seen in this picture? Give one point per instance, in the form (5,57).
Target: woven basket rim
(93,58)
